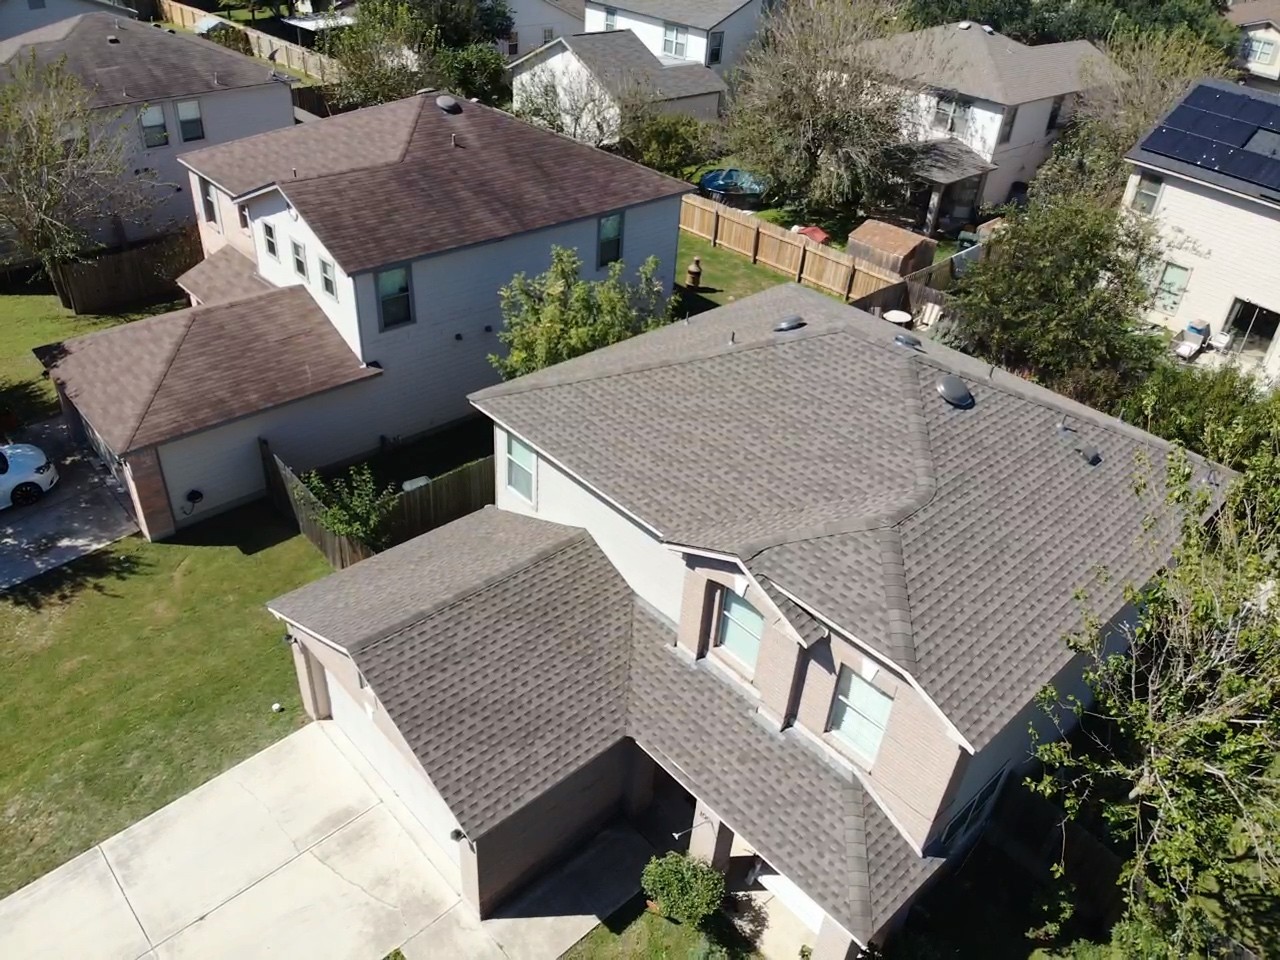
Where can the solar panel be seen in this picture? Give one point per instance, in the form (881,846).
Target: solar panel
(1222,131)
(1211,125)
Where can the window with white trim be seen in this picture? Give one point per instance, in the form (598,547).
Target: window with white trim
(1055,114)
(1173,284)
(715,46)
(299,258)
(154,131)
(242,211)
(521,463)
(395,300)
(208,202)
(1258,50)
(740,628)
(860,713)
(190,124)
(950,115)
(269,241)
(328,282)
(610,18)
(675,39)
(548,34)
(609,240)
(1006,124)
(1146,193)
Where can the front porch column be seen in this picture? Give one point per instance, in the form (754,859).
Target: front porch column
(834,942)
(935,208)
(312,683)
(710,839)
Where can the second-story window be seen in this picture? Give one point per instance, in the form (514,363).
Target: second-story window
(154,131)
(740,629)
(327,279)
(395,301)
(675,39)
(269,241)
(1055,114)
(521,461)
(190,125)
(609,240)
(1260,51)
(950,115)
(548,34)
(1006,124)
(242,212)
(610,18)
(1146,193)
(715,46)
(208,202)
(299,258)
(860,714)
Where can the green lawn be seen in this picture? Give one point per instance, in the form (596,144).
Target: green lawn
(134,675)
(633,933)
(28,321)
(726,276)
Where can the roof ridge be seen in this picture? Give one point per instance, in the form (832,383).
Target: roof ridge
(164,374)
(541,556)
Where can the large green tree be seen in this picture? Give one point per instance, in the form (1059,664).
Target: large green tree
(1060,299)
(558,315)
(387,54)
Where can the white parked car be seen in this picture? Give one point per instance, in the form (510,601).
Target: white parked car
(26,474)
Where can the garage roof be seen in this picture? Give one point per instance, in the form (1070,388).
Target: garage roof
(168,376)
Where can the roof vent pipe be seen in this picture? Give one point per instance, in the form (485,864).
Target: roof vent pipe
(787,324)
(112,38)
(448,104)
(954,390)
(964,24)
(988,29)
(1090,455)
(907,340)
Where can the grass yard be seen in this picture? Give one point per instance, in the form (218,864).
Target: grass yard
(28,321)
(726,276)
(136,674)
(635,934)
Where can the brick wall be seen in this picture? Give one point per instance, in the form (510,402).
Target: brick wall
(150,496)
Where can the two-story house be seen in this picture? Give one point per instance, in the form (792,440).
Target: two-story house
(991,106)
(172,92)
(804,573)
(1208,174)
(538,22)
(21,16)
(1259,23)
(714,33)
(349,296)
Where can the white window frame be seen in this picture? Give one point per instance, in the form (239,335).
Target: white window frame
(548,34)
(1143,190)
(1055,114)
(209,203)
(611,18)
(408,292)
(845,740)
(269,242)
(952,109)
(724,617)
(675,40)
(242,211)
(298,254)
(601,262)
(199,118)
(1254,50)
(1007,120)
(715,47)
(328,278)
(1162,291)
(163,125)
(514,443)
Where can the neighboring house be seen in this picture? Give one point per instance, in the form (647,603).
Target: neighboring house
(579,83)
(349,294)
(21,16)
(1208,174)
(763,568)
(538,22)
(173,93)
(993,106)
(714,33)
(1259,23)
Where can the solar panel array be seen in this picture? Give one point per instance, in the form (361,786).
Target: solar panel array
(1229,133)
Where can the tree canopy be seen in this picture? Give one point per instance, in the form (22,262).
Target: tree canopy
(558,315)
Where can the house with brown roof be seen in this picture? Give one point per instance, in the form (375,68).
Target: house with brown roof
(349,294)
(991,106)
(173,93)
(777,578)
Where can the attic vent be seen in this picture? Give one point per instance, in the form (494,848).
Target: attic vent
(907,340)
(988,29)
(787,324)
(964,24)
(112,38)
(953,390)
(447,104)
(1090,455)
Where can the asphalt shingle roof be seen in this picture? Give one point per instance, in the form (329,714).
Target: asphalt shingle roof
(427,180)
(953,541)
(623,65)
(703,14)
(225,275)
(167,376)
(145,63)
(1245,12)
(990,66)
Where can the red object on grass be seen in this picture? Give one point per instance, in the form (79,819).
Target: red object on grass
(816,234)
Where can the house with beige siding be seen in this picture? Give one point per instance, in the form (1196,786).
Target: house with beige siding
(349,294)
(1259,55)
(1208,177)
(777,577)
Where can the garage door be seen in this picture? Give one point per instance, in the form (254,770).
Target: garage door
(409,784)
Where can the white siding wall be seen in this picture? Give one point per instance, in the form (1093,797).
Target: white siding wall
(1271,69)
(1029,146)
(739,29)
(224,463)
(648,29)
(428,370)
(703,107)
(227,115)
(979,134)
(1228,243)
(18,16)
(530,18)
(226,229)
(587,112)
(650,569)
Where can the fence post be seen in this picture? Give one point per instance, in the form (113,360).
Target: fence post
(800,268)
(755,242)
(715,225)
(848,287)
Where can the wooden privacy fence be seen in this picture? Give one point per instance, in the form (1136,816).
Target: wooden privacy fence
(446,498)
(832,271)
(280,52)
(134,276)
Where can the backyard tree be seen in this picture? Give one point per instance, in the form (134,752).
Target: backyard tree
(557,315)
(1176,760)
(353,506)
(390,52)
(1060,299)
(815,109)
(461,23)
(63,166)
(671,143)
(476,71)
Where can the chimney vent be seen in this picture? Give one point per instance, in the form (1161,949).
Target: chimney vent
(988,29)
(964,24)
(112,38)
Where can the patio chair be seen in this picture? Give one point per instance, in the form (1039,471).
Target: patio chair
(1188,344)
(930,314)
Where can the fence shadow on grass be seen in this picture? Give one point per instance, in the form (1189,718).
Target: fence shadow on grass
(95,571)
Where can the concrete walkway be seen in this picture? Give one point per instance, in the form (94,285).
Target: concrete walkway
(302,851)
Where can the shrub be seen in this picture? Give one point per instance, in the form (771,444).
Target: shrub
(686,889)
(353,506)
(233,38)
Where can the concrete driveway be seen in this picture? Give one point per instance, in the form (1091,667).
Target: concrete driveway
(293,853)
(86,511)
